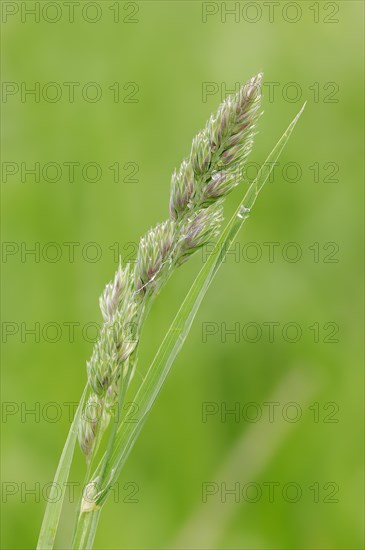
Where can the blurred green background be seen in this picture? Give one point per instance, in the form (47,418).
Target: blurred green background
(161,55)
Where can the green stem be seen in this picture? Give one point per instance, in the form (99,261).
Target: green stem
(86,530)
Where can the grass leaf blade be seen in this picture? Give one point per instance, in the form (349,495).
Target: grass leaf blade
(54,505)
(180,327)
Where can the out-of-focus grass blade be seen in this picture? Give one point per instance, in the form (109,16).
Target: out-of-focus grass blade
(180,327)
(54,506)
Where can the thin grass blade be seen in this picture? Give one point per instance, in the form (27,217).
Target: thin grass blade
(54,506)
(180,327)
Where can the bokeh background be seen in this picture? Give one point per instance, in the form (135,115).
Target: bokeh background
(162,54)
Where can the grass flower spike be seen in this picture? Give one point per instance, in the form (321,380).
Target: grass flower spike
(199,186)
(196,214)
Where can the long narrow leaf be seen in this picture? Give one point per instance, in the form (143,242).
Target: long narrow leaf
(57,494)
(180,327)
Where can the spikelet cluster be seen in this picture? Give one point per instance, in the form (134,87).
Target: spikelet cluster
(198,188)
(211,170)
(115,344)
